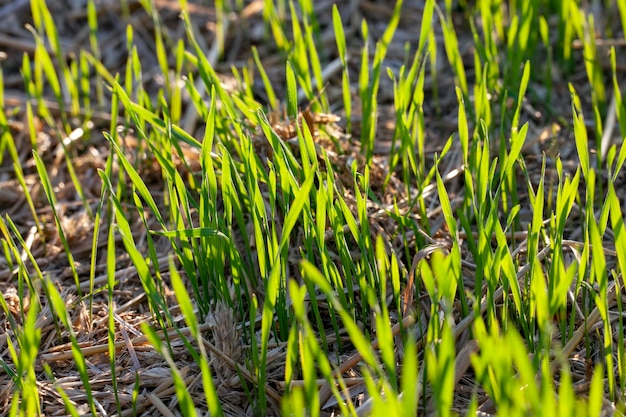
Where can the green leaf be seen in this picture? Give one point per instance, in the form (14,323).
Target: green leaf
(194,232)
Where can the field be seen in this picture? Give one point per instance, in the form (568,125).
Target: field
(262,207)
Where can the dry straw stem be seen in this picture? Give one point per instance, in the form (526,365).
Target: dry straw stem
(580,333)
(65,352)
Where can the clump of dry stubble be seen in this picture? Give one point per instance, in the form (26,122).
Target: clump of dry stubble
(227,339)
